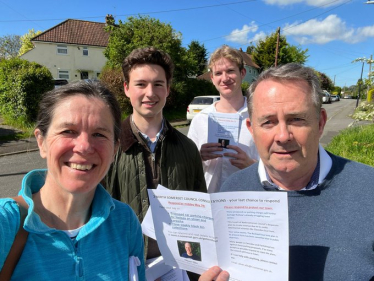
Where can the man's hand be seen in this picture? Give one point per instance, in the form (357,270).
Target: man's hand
(207,151)
(240,159)
(215,273)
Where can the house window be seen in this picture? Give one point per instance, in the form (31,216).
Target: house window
(97,74)
(62,49)
(63,74)
(85,51)
(84,75)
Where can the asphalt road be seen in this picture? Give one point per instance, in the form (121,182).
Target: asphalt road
(14,167)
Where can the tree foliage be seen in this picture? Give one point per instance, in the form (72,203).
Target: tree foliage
(112,78)
(22,84)
(198,52)
(325,81)
(265,50)
(144,31)
(26,41)
(9,46)
(336,90)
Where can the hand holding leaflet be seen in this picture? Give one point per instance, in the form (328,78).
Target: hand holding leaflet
(245,233)
(223,128)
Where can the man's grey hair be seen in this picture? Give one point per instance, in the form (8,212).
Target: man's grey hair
(285,73)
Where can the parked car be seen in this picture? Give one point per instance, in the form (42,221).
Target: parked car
(335,98)
(326,97)
(60,82)
(198,104)
(347,97)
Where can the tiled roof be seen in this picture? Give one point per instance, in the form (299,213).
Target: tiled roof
(248,60)
(76,32)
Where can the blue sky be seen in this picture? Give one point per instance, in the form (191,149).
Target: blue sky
(334,31)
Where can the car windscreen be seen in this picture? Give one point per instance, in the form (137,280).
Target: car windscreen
(202,101)
(60,82)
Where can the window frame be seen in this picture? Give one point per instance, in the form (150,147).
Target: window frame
(62,47)
(85,49)
(65,74)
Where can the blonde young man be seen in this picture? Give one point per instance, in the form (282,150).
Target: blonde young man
(227,72)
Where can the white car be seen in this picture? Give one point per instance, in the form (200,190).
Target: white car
(326,97)
(198,104)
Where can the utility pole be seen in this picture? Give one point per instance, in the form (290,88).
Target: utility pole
(369,76)
(359,84)
(277,47)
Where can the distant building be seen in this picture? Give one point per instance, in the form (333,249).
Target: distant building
(251,67)
(71,50)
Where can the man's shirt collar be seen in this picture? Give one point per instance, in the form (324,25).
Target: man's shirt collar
(322,169)
(151,144)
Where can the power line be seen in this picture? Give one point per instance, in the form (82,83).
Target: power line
(145,13)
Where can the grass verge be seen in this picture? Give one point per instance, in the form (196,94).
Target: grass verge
(355,143)
(21,130)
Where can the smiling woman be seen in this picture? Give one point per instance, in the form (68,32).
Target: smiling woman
(70,213)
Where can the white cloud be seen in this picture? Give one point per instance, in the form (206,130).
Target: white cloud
(241,35)
(331,28)
(367,31)
(315,3)
(258,37)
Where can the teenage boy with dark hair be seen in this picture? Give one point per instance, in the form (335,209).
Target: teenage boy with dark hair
(151,151)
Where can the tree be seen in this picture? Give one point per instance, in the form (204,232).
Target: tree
(26,41)
(264,52)
(144,31)
(337,90)
(325,81)
(199,53)
(9,46)
(250,49)
(22,84)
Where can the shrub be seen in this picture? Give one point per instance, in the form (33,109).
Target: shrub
(371,95)
(22,85)
(112,78)
(182,93)
(245,86)
(365,111)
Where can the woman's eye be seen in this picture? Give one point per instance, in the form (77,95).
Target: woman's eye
(68,132)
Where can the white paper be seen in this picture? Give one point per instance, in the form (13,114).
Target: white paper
(157,270)
(245,233)
(223,128)
(147,223)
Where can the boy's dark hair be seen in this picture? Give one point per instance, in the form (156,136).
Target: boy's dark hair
(148,55)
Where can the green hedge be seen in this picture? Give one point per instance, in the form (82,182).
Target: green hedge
(22,84)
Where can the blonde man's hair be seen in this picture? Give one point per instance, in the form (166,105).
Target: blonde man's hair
(229,53)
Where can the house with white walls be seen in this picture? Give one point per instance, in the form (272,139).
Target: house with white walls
(72,50)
